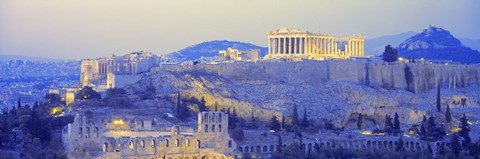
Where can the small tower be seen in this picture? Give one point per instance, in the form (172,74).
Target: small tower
(212,122)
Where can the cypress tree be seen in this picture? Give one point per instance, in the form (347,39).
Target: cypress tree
(439,109)
(274,124)
(305,118)
(201,106)
(360,121)
(396,122)
(388,122)
(455,144)
(448,116)
(19,104)
(464,133)
(295,115)
(399,145)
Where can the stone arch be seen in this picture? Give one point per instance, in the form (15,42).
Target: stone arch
(81,132)
(219,117)
(252,149)
(219,127)
(265,148)
(246,149)
(272,148)
(88,132)
(154,144)
(199,144)
(204,157)
(105,147)
(309,147)
(240,148)
(142,143)
(131,145)
(177,142)
(213,128)
(206,127)
(257,149)
(96,132)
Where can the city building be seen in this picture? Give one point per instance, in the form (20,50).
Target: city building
(236,55)
(298,44)
(116,71)
(112,136)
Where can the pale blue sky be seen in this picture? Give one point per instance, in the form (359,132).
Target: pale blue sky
(94,28)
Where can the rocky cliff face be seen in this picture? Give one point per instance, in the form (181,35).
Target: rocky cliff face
(332,90)
(437,44)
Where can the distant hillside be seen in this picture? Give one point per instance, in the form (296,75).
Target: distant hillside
(376,46)
(27,58)
(210,49)
(474,44)
(437,44)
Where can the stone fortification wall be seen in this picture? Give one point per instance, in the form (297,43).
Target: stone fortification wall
(415,77)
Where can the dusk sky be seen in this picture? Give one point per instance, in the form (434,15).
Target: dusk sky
(73,29)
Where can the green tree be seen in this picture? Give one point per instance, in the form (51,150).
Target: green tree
(19,103)
(116,92)
(305,118)
(455,144)
(182,111)
(274,124)
(88,93)
(396,122)
(465,130)
(399,146)
(232,119)
(237,134)
(390,54)
(295,115)
(202,105)
(360,121)
(439,108)
(448,115)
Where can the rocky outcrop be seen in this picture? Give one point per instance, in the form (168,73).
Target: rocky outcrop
(435,43)
(331,90)
(414,77)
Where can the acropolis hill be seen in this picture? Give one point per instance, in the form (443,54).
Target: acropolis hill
(328,89)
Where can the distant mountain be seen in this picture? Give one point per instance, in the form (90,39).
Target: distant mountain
(376,46)
(27,58)
(210,49)
(437,44)
(474,44)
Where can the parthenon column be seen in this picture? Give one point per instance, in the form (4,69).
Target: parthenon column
(306,44)
(362,49)
(331,46)
(277,42)
(315,46)
(284,44)
(358,48)
(300,46)
(270,46)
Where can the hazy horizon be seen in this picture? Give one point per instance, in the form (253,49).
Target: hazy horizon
(88,29)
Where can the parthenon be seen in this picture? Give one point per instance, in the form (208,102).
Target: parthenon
(295,43)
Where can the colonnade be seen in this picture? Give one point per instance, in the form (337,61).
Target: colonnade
(296,43)
(315,45)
